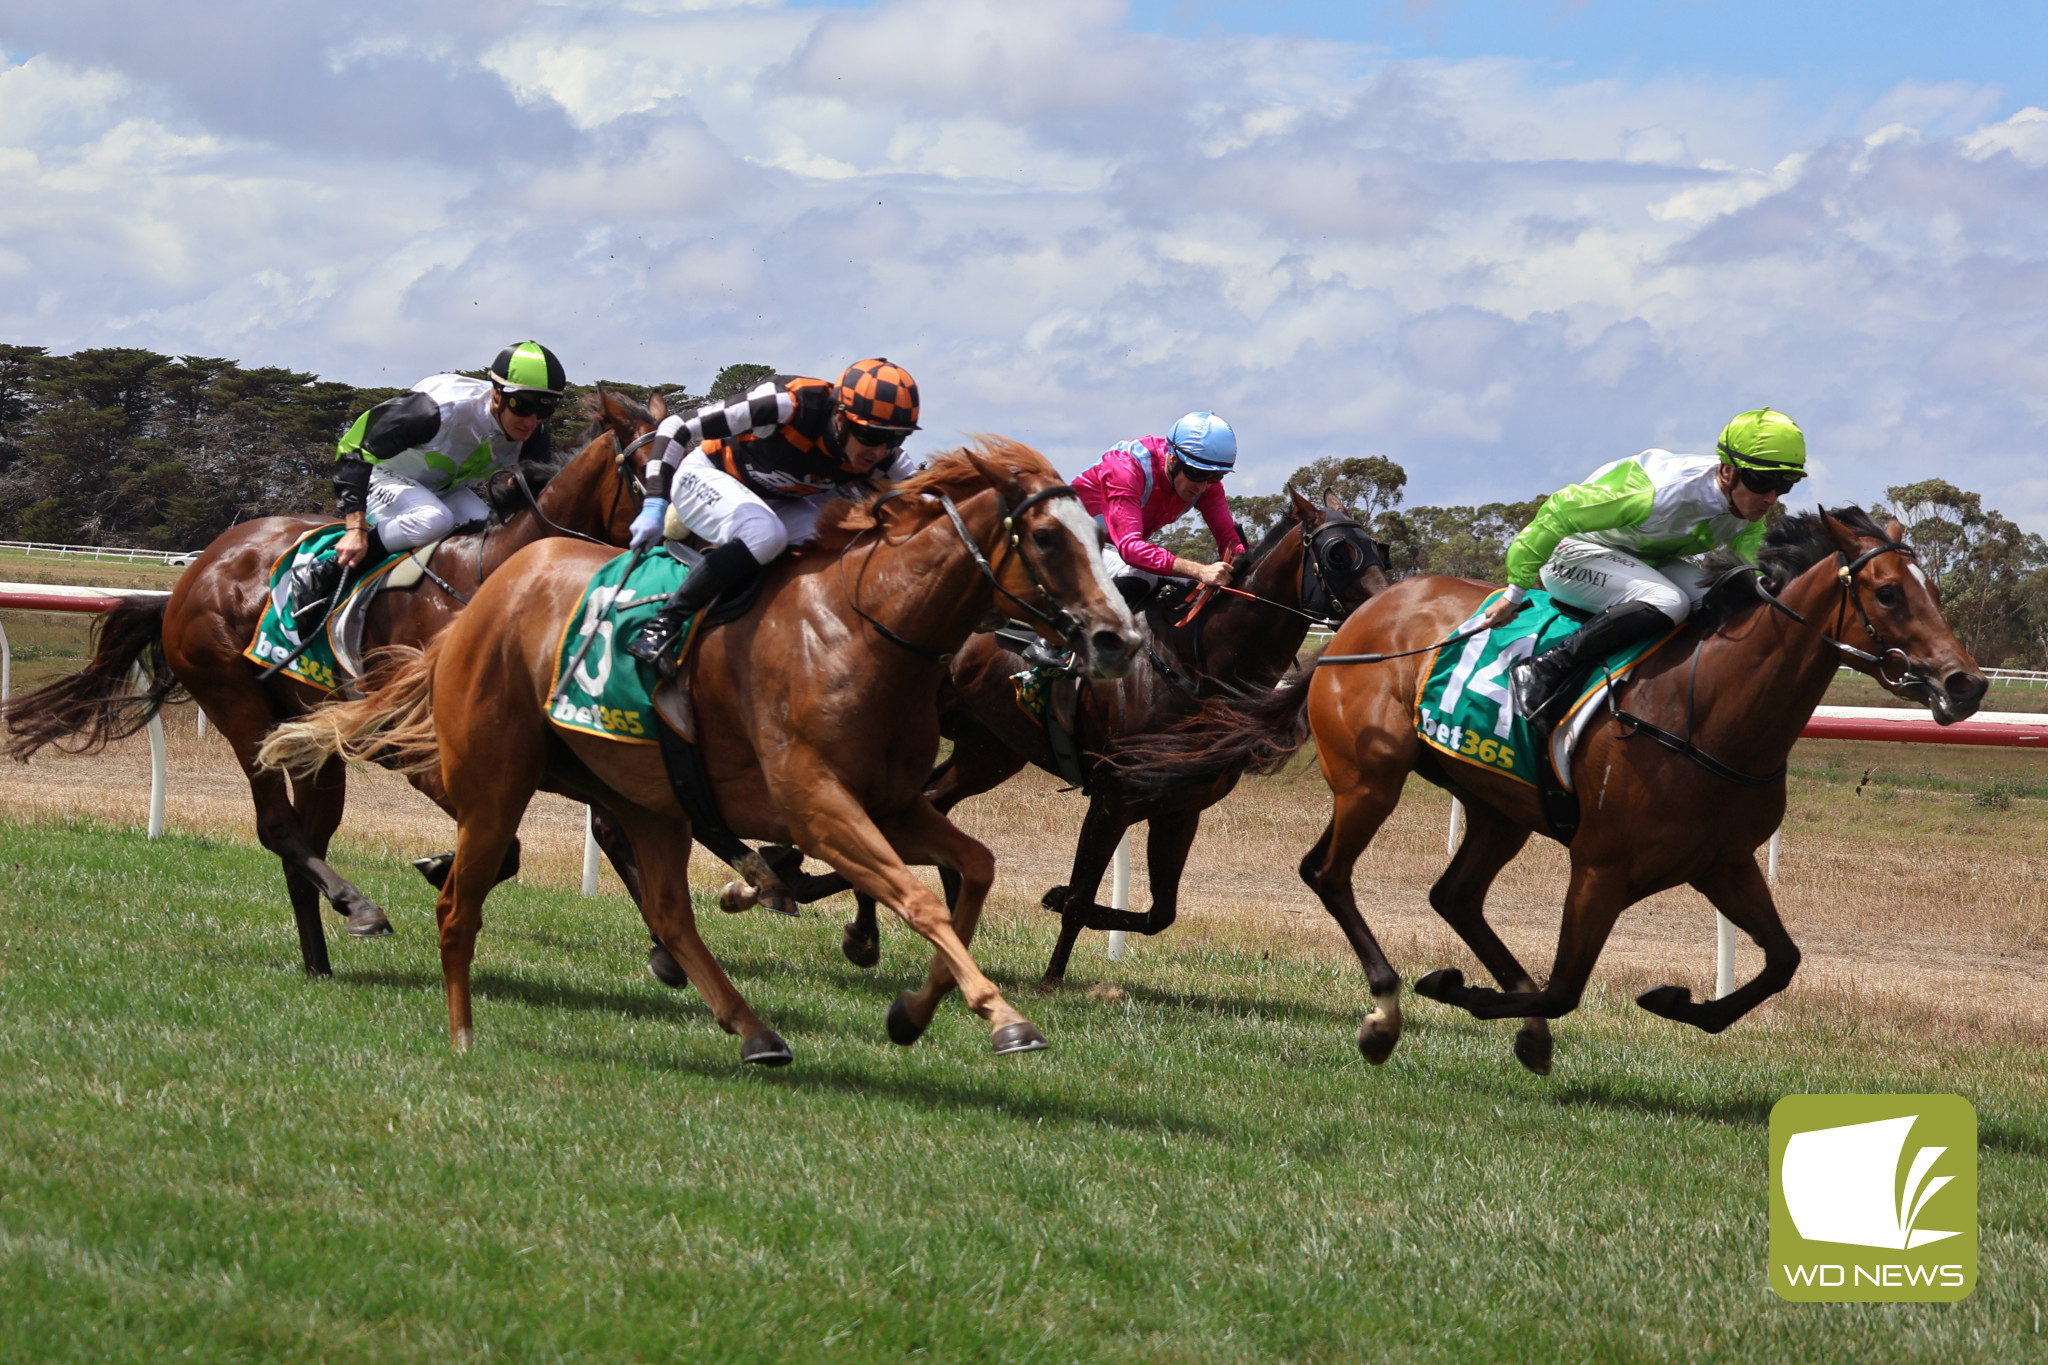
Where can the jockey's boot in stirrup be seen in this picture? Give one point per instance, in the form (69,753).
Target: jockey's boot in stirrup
(1542,684)
(314,583)
(727,566)
(1039,654)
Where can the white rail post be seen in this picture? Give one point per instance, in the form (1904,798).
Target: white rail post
(199,720)
(1120,894)
(159,766)
(1457,827)
(6,665)
(590,852)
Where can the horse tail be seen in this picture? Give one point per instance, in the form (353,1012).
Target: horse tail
(83,712)
(1228,735)
(393,725)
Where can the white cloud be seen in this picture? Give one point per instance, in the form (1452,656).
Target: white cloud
(1498,275)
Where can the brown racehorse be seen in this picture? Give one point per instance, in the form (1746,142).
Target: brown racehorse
(1733,689)
(816,714)
(193,644)
(1317,564)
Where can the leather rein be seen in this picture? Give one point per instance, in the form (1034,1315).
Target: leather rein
(1056,619)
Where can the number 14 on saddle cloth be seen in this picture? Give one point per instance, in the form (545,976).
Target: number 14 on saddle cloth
(1465,709)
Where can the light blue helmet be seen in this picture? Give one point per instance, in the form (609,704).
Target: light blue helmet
(1204,441)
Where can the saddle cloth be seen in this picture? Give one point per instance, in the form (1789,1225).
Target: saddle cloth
(1465,708)
(610,693)
(335,653)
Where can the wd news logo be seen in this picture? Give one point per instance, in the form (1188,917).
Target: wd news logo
(1873,1198)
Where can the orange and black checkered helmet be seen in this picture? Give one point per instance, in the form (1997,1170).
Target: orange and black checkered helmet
(875,393)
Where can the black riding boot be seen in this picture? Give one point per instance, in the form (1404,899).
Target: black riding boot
(314,583)
(728,566)
(1541,683)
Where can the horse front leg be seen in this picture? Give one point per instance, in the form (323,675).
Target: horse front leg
(1101,832)
(1739,890)
(318,802)
(1593,903)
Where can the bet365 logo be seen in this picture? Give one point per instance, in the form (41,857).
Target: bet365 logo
(1873,1198)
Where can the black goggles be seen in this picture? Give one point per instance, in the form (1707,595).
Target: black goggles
(529,403)
(1198,475)
(1764,481)
(888,438)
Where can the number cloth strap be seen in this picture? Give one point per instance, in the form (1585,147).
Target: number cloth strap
(1465,708)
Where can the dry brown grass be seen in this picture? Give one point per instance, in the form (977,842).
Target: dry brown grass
(1921,908)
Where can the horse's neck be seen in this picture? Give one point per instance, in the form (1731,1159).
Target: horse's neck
(572,500)
(1760,686)
(931,596)
(1253,641)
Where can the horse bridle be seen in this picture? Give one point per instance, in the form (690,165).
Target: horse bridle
(1058,619)
(1315,544)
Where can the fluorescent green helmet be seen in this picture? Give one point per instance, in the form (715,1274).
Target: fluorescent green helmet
(531,366)
(1763,439)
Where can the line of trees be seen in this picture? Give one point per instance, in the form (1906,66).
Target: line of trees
(117,446)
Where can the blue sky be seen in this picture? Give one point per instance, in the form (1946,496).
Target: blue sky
(1499,242)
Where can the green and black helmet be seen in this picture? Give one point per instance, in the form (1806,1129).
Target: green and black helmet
(528,367)
(1765,440)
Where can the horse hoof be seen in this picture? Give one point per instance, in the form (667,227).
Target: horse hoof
(862,950)
(462,1040)
(1376,1041)
(368,922)
(1669,1002)
(782,903)
(903,1030)
(434,867)
(1532,1050)
(1055,900)
(665,969)
(766,1048)
(737,898)
(1441,985)
(1022,1036)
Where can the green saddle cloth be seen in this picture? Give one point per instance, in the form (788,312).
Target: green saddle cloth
(277,629)
(610,693)
(1465,707)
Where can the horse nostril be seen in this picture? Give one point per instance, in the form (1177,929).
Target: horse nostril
(1108,643)
(1965,686)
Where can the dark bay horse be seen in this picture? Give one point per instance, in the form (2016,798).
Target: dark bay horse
(192,644)
(816,714)
(1316,565)
(1733,689)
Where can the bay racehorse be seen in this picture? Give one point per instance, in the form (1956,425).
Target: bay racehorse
(815,711)
(192,643)
(1677,784)
(1314,567)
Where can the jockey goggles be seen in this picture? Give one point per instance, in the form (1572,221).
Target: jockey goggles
(530,403)
(1194,475)
(1760,481)
(888,438)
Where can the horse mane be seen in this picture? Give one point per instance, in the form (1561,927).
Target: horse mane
(952,474)
(1790,548)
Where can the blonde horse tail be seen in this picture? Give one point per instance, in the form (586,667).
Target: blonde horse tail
(392,726)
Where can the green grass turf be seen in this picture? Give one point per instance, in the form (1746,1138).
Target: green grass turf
(204,1155)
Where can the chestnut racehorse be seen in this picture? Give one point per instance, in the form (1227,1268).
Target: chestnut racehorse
(192,643)
(816,714)
(1678,785)
(1315,566)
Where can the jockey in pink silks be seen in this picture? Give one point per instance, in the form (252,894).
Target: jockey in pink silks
(1140,486)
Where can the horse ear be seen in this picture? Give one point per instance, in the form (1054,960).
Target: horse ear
(1893,530)
(1000,477)
(1305,512)
(1844,538)
(1334,503)
(657,405)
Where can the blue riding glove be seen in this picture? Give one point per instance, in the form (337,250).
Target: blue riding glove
(647,526)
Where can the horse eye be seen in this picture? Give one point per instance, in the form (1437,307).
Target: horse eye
(1045,538)
(1888,596)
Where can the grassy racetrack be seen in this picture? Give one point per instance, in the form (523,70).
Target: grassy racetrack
(203,1153)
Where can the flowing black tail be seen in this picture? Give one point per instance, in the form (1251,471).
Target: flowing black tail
(1228,735)
(87,710)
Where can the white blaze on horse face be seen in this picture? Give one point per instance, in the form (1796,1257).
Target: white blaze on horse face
(1914,569)
(1071,515)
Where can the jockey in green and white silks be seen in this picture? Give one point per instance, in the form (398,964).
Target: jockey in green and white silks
(1625,544)
(406,471)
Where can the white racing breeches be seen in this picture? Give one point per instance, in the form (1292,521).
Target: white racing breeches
(1593,577)
(718,508)
(1116,566)
(407,516)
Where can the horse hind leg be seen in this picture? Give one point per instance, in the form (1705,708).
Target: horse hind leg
(318,802)
(1327,868)
(1101,832)
(1459,896)
(861,940)
(1738,890)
